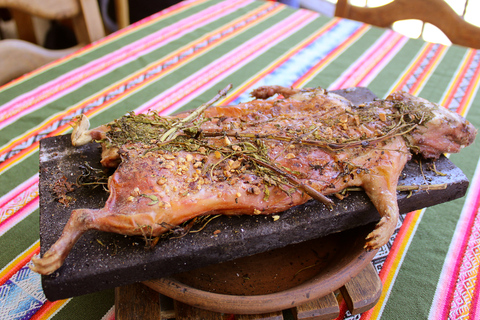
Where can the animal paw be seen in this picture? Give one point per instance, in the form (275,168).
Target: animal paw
(46,265)
(380,235)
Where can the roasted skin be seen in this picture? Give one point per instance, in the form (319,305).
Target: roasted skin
(259,157)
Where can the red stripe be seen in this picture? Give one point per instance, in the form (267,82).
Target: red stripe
(19,212)
(21,263)
(461,253)
(475,299)
(334,52)
(12,196)
(45,309)
(62,128)
(392,255)
(427,69)
(469,92)
(416,65)
(460,76)
(383,47)
(279,62)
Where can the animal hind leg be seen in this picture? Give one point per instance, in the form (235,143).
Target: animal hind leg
(53,259)
(384,198)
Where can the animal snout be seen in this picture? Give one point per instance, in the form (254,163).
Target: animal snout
(469,134)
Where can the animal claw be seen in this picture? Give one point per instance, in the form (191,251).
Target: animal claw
(380,235)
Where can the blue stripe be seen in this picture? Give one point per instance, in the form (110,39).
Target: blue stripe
(299,64)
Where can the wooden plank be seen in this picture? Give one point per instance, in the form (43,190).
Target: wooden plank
(25,28)
(186,312)
(265,316)
(122,12)
(90,23)
(136,301)
(168,307)
(362,292)
(325,308)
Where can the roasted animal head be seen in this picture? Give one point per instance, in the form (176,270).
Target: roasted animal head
(441,131)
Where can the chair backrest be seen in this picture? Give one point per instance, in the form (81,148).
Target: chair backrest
(436,12)
(19,56)
(85,14)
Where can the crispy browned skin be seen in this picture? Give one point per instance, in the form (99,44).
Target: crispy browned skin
(321,139)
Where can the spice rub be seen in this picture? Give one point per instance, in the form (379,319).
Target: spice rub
(259,157)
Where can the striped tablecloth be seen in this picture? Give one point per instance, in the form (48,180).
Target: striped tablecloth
(181,57)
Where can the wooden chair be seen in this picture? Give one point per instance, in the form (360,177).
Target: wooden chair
(436,12)
(19,56)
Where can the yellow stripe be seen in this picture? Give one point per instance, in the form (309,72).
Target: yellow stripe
(471,95)
(407,72)
(98,110)
(432,67)
(52,309)
(107,40)
(246,84)
(17,260)
(458,77)
(374,313)
(338,50)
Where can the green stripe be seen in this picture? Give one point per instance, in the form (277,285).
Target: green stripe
(99,51)
(428,249)
(91,89)
(335,69)
(20,172)
(169,80)
(439,81)
(19,238)
(256,66)
(395,68)
(89,306)
(29,165)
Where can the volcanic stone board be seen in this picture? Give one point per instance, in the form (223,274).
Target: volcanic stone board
(101,260)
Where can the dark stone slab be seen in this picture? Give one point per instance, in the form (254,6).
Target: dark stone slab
(104,260)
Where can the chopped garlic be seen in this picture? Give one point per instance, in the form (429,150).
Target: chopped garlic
(135,192)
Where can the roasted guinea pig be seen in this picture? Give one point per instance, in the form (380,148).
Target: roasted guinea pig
(258,157)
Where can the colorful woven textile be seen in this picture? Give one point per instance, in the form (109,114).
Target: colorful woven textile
(181,57)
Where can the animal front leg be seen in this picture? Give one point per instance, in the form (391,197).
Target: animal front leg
(55,256)
(81,133)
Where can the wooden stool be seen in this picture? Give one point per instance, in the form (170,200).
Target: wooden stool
(137,301)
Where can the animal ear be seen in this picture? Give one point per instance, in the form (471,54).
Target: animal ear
(81,134)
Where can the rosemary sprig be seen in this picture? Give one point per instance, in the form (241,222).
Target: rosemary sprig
(306,188)
(171,133)
(398,130)
(424,187)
